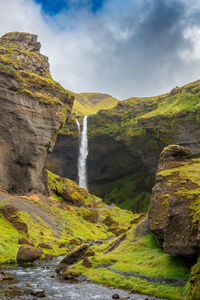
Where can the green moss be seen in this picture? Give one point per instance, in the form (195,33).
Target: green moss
(8,241)
(86,104)
(142,257)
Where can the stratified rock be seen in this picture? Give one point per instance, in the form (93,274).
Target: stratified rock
(32,109)
(174,204)
(75,255)
(28,254)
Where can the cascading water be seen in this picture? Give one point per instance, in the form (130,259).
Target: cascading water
(78,126)
(83,152)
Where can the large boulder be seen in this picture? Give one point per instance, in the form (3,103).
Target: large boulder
(28,254)
(174,207)
(32,109)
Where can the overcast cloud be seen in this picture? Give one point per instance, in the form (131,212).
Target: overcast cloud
(125,48)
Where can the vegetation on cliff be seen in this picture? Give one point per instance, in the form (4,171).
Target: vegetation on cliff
(125,143)
(86,104)
(21,62)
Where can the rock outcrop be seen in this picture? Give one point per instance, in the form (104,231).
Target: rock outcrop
(175,207)
(32,109)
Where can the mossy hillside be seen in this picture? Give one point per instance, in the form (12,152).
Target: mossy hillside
(8,241)
(58,222)
(141,256)
(86,104)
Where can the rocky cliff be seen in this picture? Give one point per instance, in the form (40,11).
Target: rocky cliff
(32,109)
(175,207)
(125,143)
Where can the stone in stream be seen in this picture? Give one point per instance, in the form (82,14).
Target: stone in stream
(38,292)
(115,296)
(28,254)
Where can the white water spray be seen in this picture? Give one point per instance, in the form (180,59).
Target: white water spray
(78,126)
(83,152)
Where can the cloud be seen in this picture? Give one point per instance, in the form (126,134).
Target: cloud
(132,48)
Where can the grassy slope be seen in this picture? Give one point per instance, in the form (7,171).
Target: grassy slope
(86,104)
(54,221)
(141,256)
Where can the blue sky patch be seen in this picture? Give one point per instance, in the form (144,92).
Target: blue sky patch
(56,6)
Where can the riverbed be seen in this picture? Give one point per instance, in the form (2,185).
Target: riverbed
(43,275)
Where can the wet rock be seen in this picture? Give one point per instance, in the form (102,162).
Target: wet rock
(115,296)
(8,278)
(75,255)
(70,274)
(40,293)
(60,269)
(48,256)
(87,263)
(44,245)
(24,241)
(28,254)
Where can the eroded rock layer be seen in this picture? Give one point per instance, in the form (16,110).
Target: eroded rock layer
(175,207)
(32,109)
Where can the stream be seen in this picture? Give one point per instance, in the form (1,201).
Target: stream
(43,275)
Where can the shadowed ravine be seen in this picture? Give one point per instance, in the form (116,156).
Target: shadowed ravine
(43,275)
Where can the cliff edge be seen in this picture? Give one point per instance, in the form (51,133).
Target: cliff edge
(33,107)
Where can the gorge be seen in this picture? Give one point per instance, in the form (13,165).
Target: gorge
(132,223)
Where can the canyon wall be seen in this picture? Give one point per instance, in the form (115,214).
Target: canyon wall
(32,109)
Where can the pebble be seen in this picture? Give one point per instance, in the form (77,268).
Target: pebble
(115,296)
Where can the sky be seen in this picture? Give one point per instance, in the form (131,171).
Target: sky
(121,47)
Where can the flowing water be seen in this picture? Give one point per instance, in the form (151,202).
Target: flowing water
(78,126)
(83,152)
(43,275)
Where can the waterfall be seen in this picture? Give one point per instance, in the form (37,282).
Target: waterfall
(83,152)
(78,126)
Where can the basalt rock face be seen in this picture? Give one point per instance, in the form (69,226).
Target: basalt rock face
(175,207)
(32,109)
(125,143)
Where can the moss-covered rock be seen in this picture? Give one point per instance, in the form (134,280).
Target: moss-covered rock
(174,211)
